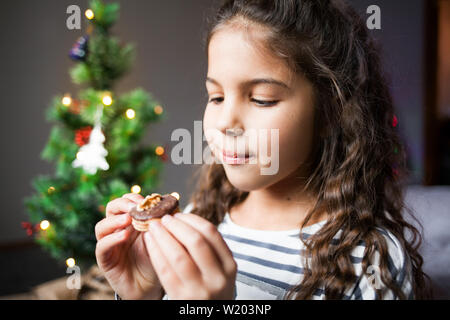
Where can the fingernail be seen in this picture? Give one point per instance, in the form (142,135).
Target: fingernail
(130,206)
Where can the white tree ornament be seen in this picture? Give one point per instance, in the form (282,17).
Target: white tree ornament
(91,156)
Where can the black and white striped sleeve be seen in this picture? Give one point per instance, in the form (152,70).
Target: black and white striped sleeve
(400,269)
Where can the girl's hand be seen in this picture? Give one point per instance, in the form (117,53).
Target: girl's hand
(121,252)
(190,258)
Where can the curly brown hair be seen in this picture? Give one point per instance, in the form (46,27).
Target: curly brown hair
(359,167)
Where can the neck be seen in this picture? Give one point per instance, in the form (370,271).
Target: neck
(282,206)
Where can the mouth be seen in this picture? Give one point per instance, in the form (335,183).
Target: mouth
(231,157)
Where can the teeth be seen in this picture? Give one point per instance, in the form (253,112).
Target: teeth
(235,155)
(238,156)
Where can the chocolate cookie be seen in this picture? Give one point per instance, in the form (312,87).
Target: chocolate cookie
(153,206)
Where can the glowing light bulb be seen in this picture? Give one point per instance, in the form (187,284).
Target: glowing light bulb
(70,262)
(66,100)
(107,100)
(175,195)
(159,151)
(130,113)
(158,110)
(89,14)
(44,224)
(136,189)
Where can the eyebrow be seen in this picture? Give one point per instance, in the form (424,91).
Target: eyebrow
(255,82)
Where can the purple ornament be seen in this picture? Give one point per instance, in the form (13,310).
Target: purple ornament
(79,49)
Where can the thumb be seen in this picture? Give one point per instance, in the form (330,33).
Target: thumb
(135,197)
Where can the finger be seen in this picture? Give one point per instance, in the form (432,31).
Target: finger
(119,206)
(105,247)
(198,247)
(133,234)
(111,224)
(210,233)
(166,275)
(135,197)
(175,253)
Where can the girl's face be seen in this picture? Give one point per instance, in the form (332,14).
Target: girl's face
(252,90)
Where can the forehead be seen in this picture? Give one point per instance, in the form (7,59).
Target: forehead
(241,53)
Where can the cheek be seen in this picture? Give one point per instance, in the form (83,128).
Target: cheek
(208,122)
(295,140)
(207,118)
(212,135)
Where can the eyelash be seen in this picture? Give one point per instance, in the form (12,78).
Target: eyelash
(260,103)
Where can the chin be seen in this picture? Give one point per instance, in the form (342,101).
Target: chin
(248,180)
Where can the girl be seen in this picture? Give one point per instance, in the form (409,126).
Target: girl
(328,224)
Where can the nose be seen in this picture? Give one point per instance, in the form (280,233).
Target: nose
(230,122)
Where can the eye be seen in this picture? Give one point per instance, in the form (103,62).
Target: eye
(264,103)
(216,100)
(260,103)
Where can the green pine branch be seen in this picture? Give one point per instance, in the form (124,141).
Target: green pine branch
(71,200)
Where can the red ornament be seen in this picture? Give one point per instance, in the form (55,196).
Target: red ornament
(26,225)
(395,172)
(394,121)
(164,157)
(75,107)
(28,228)
(82,135)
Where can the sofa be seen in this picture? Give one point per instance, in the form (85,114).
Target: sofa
(431,206)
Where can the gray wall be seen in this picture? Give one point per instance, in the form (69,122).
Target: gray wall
(403,40)
(34,67)
(170,64)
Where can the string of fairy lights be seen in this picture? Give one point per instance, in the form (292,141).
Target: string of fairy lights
(130,113)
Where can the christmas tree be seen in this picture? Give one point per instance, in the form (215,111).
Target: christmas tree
(95,145)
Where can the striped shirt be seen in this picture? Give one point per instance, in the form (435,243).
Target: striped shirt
(269,263)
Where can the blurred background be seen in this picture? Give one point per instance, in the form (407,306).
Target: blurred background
(171,65)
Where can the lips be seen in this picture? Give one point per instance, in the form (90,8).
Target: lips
(231,154)
(231,157)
